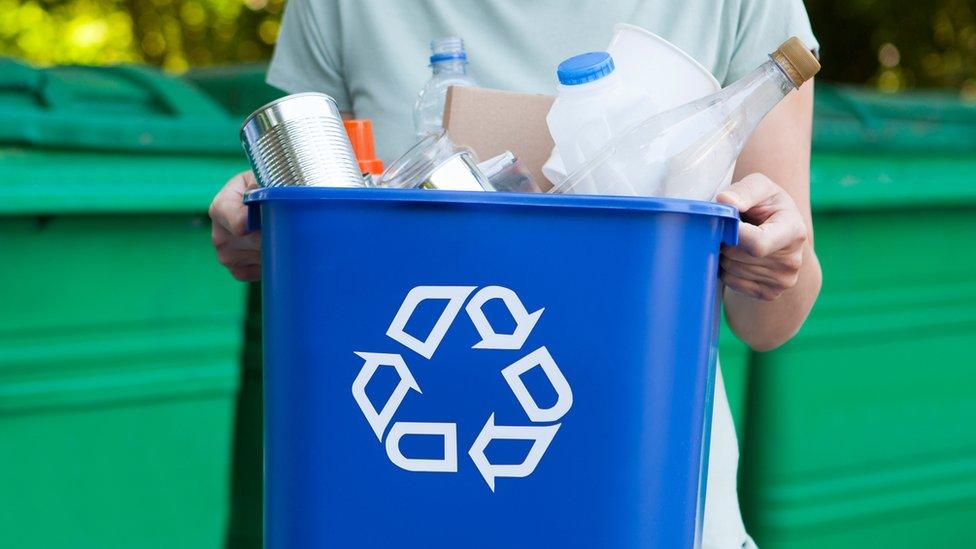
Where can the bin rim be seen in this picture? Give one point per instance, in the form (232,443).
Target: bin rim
(730,232)
(669,205)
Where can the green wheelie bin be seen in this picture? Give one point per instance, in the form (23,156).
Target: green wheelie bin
(120,335)
(861,429)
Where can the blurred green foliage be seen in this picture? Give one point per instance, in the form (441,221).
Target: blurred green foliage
(891,44)
(898,44)
(174,34)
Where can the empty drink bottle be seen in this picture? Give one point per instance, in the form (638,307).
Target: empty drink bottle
(449,62)
(690,151)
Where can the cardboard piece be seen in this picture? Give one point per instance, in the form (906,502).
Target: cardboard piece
(490,122)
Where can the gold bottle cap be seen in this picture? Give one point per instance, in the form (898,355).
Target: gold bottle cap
(796,60)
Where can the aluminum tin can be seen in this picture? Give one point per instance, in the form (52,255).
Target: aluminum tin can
(458,172)
(299,140)
(435,163)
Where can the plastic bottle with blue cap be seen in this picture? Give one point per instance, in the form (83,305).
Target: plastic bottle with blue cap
(690,151)
(592,106)
(448,61)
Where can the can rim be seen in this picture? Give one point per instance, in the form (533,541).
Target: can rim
(270,104)
(416,165)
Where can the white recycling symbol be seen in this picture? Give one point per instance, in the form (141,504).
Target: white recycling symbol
(541,436)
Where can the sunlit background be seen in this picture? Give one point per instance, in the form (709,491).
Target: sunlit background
(175,34)
(890,44)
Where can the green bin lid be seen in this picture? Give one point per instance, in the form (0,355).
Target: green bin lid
(882,151)
(241,89)
(110,140)
(117,108)
(859,119)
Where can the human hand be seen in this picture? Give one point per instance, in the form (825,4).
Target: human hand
(772,235)
(237,249)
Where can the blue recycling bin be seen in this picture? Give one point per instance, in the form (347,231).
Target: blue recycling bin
(486,370)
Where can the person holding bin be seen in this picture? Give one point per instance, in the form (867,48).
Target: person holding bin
(364,54)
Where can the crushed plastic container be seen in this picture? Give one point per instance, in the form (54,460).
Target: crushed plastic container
(592,106)
(446,369)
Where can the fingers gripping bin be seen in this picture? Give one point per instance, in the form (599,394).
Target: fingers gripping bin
(485,370)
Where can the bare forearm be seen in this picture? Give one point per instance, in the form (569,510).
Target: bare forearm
(769,308)
(765,325)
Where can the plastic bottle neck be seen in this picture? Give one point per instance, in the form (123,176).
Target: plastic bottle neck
(758,92)
(450,67)
(743,105)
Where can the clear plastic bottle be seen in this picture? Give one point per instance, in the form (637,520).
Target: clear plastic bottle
(690,151)
(448,61)
(592,105)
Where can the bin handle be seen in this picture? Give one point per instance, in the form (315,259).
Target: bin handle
(730,232)
(175,96)
(253,216)
(17,76)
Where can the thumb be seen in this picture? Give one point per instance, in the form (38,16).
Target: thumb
(250,181)
(749,192)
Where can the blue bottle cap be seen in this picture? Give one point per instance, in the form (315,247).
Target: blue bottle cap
(585,67)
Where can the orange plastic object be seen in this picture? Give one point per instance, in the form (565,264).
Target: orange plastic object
(361,136)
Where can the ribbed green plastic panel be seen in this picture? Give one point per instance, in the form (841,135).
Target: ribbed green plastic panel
(120,338)
(860,430)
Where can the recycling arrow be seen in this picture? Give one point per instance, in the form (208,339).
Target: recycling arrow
(564,394)
(447,432)
(455,296)
(541,436)
(378,420)
(490,339)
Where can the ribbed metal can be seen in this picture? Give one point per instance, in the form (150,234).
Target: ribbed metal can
(299,140)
